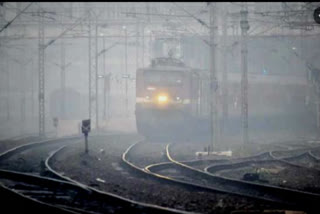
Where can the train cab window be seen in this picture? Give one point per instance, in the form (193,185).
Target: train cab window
(163,78)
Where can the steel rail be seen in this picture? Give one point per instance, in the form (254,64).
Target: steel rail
(150,172)
(17,149)
(301,199)
(20,137)
(112,202)
(145,207)
(287,160)
(27,180)
(248,160)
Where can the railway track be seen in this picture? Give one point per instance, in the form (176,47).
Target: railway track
(61,194)
(29,158)
(307,199)
(265,157)
(215,164)
(301,199)
(182,174)
(303,160)
(19,137)
(9,143)
(292,145)
(169,172)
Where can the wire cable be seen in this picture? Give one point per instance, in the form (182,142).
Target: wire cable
(10,22)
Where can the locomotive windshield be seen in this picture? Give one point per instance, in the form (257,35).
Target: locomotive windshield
(163,77)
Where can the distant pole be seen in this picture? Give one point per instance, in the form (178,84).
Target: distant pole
(108,89)
(63,79)
(96,72)
(32,89)
(126,68)
(213,79)
(137,43)
(86,143)
(41,76)
(224,75)
(85,129)
(143,45)
(23,95)
(318,106)
(244,72)
(89,65)
(7,89)
(93,67)
(104,75)
(318,103)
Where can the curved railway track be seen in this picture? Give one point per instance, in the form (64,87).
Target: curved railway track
(182,173)
(264,158)
(20,137)
(62,194)
(192,181)
(304,160)
(302,199)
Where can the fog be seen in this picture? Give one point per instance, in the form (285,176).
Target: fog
(93,44)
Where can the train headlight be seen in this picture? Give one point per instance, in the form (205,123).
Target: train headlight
(162,99)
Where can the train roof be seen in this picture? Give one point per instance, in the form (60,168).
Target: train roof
(163,64)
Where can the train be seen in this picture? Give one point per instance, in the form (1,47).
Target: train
(173,99)
(168,98)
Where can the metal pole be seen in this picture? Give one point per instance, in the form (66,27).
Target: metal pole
(8,89)
(244,71)
(32,88)
(151,51)
(143,45)
(137,45)
(224,76)
(108,89)
(63,79)
(86,143)
(96,72)
(23,95)
(126,69)
(41,77)
(104,75)
(318,104)
(93,70)
(318,112)
(89,63)
(213,79)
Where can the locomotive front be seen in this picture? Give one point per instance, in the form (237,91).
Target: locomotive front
(163,101)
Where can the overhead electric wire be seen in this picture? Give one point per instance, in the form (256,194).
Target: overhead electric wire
(65,31)
(264,31)
(107,49)
(10,22)
(190,14)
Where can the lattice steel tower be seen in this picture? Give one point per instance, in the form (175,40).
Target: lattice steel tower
(244,72)
(41,52)
(213,78)
(93,68)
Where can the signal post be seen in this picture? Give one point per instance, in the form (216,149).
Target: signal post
(86,128)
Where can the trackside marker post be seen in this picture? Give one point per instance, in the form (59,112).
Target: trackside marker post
(86,127)
(55,124)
